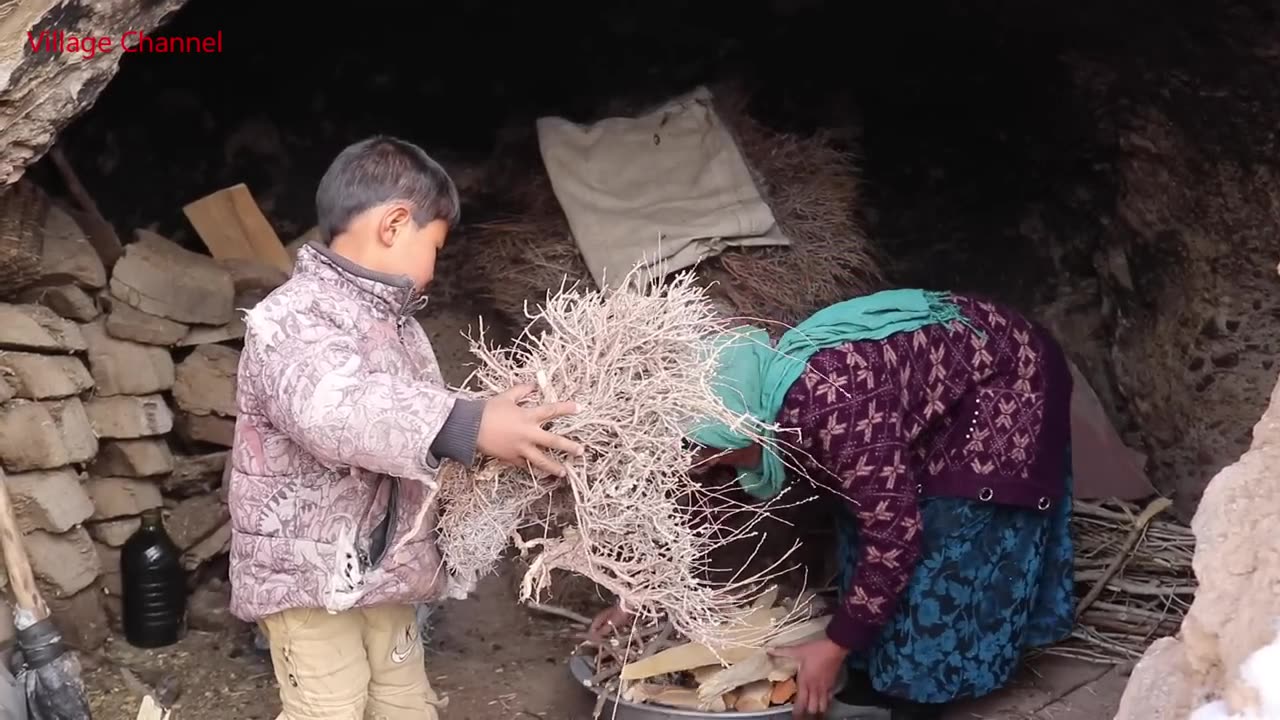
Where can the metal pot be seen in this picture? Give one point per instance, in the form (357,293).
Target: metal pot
(618,709)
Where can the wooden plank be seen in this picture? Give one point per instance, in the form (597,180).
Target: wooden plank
(232,226)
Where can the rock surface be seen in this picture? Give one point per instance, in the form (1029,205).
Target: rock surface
(45,91)
(206,381)
(49,500)
(44,377)
(159,277)
(35,327)
(1237,606)
(124,367)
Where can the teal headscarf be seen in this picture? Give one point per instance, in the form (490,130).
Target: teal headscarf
(754,376)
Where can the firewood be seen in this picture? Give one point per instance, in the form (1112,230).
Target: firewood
(783,692)
(754,697)
(694,655)
(672,696)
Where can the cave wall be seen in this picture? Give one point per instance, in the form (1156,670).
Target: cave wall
(42,91)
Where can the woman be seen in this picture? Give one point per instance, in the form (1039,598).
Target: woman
(943,422)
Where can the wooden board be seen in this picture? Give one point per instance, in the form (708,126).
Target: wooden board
(232,226)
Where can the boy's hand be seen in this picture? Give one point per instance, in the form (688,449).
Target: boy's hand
(514,434)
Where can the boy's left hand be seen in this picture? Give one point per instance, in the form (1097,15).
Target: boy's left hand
(515,434)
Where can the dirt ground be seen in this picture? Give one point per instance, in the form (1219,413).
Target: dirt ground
(490,657)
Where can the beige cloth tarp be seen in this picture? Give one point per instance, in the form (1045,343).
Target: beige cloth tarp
(663,191)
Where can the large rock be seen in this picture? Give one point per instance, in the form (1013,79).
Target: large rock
(207,429)
(122,367)
(67,255)
(35,327)
(49,500)
(195,474)
(120,497)
(82,618)
(114,533)
(133,458)
(44,377)
(47,90)
(66,562)
(159,277)
(69,301)
(1237,566)
(125,417)
(129,323)
(45,435)
(195,519)
(205,381)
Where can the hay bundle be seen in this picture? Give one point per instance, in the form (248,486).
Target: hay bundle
(1133,571)
(810,183)
(628,516)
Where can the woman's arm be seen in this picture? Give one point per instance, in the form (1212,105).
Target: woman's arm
(883,500)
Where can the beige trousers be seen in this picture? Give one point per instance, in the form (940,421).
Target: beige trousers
(363,664)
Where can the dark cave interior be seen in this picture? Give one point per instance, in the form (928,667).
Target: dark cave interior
(989,134)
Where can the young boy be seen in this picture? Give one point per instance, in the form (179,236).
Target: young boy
(343,422)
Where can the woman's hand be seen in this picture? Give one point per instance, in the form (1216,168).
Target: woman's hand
(609,621)
(819,664)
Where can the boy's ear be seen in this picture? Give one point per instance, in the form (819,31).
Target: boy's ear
(395,220)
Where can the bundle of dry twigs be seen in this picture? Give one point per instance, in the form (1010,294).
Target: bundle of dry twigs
(639,363)
(1133,573)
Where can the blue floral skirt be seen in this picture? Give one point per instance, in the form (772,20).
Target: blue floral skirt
(993,581)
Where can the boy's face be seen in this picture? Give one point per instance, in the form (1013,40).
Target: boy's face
(411,249)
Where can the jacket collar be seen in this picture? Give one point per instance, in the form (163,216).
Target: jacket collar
(393,293)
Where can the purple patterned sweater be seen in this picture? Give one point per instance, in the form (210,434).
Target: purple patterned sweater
(943,411)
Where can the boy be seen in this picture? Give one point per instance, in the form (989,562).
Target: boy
(343,422)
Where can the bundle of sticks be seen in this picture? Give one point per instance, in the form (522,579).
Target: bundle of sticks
(630,516)
(1134,577)
(651,665)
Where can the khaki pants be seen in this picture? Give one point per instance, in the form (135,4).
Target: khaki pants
(353,665)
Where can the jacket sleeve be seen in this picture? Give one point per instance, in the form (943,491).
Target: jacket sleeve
(323,396)
(882,498)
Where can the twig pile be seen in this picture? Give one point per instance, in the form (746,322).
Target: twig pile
(628,516)
(1133,571)
(809,182)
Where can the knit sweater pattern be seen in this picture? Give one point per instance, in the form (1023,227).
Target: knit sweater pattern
(977,410)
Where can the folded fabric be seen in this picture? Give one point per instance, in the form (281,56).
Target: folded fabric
(663,191)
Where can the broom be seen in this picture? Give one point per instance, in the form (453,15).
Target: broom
(49,674)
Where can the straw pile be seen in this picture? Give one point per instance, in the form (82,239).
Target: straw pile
(1133,572)
(628,516)
(810,183)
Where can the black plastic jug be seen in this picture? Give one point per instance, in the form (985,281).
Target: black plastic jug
(155,586)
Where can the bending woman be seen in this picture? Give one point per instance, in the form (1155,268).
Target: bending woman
(943,421)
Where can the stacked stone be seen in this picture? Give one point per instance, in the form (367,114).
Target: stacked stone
(170,308)
(47,436)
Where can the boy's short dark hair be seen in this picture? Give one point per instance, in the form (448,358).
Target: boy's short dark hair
(384,169)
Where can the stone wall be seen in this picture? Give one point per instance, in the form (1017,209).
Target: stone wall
(117,395)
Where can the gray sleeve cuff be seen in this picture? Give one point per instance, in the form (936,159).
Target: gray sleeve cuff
(457,438)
